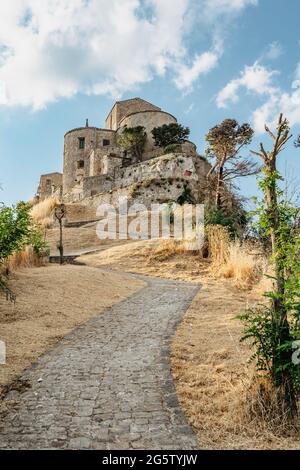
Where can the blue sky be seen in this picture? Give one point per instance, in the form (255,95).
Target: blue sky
(201,60)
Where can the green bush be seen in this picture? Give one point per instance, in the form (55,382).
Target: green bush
(17,229)
(172,148)
(169,134)
(234,220)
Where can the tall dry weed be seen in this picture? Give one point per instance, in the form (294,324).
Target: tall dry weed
(42,212)
(26,258)
(233,259)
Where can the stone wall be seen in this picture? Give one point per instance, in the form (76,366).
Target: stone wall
(74,170)
(122,108)
(93,184)
(157,180)
(104,160)
(50,185)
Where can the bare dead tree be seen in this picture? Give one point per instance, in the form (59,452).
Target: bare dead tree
(278,233)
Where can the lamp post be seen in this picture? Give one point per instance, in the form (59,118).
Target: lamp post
(60,212)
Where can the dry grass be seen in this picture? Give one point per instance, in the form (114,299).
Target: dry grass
(262,408)
(218,244)
(42,211)
(215,385)
(166,249)
(234,260)
(152,257)
(241,266)
(26,258)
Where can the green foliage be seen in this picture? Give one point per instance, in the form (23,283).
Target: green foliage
(14,229)
(234,218)
(17,229)
(216,216)
(186,196)
(172,148)
(169,134)
(133,141)
(261,329)
(273,328)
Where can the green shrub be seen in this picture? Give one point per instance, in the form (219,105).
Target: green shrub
(169,134)
(172,148)
(17,229)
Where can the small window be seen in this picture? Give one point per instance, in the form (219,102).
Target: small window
(106,142)
(48,182)
(80,164)
(81,142)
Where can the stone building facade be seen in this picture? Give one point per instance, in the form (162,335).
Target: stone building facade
(50,185)
(95,164)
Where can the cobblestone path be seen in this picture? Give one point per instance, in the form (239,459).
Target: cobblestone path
(108,385)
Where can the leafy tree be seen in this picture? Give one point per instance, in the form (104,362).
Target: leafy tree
(274,328)
(133,141)
(169,134)
(14,229)
(17,229)
(234,220)
(225,142)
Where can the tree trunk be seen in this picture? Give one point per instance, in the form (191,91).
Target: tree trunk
(281,378)
(219,187)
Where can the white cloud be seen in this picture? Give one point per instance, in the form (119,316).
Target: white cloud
(54,49)
(57,48)
(259,80)
(274,51)
(281,102)
(202,64)
(255,78)
(189,108)
(296,82)
(215,8)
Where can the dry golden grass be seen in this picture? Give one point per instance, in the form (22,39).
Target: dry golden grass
(166,249)
(233,259)
(26,258)
(241,266)
(214,382)
(42,211)
(218,244)
(151,257)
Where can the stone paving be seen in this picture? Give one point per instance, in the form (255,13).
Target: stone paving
(108,384)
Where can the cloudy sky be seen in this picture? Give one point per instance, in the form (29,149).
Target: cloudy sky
(62,61)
